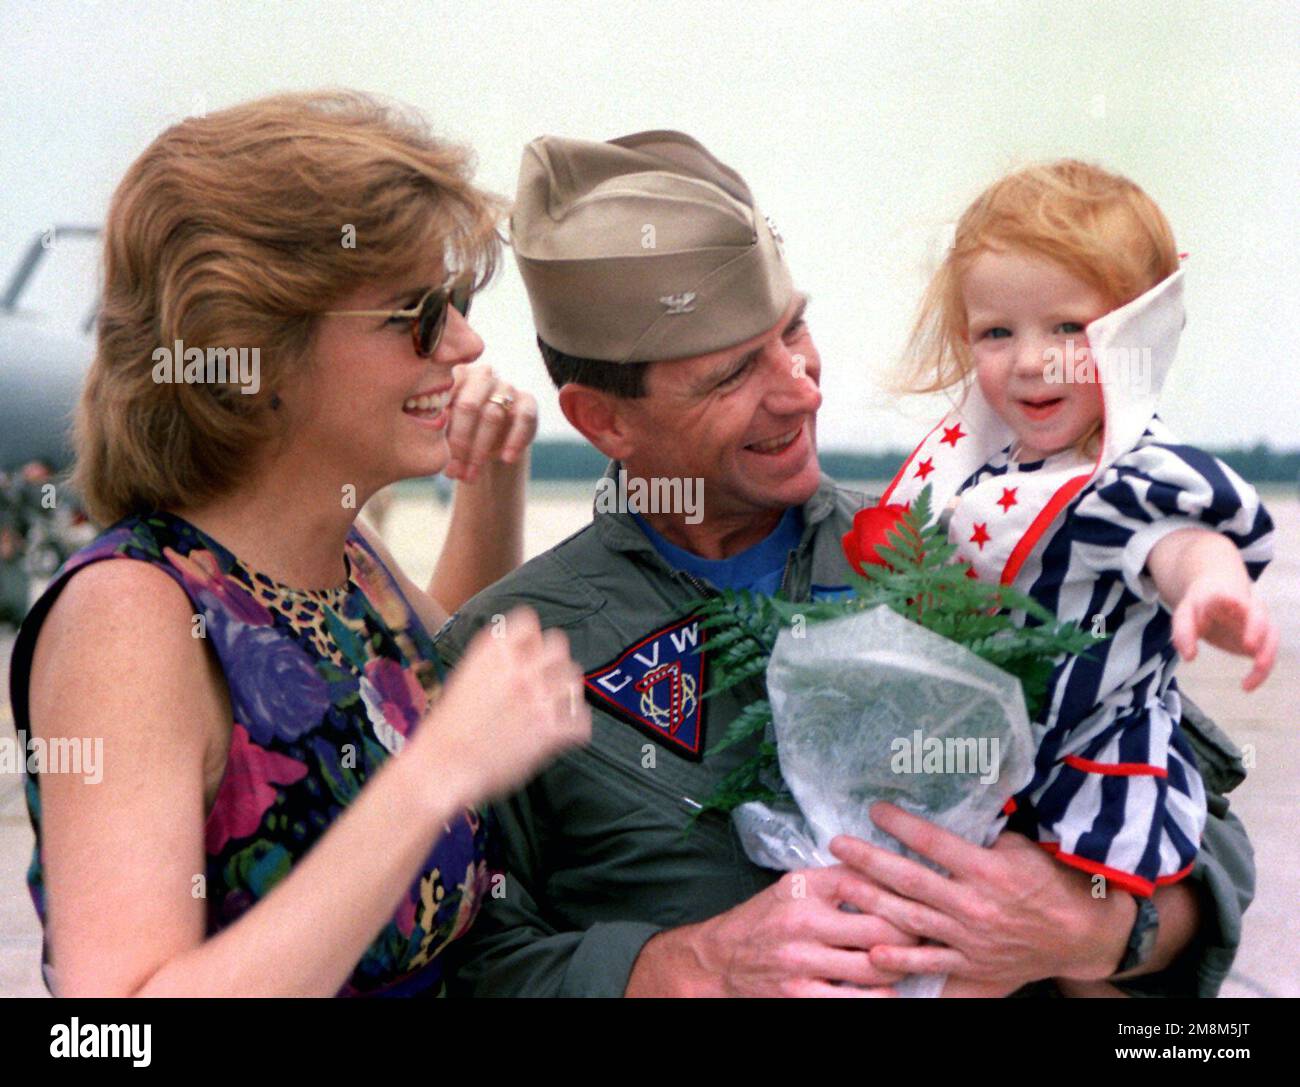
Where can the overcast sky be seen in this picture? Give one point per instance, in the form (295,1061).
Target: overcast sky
(863,129)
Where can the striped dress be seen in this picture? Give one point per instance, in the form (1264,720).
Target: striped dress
(1115,789)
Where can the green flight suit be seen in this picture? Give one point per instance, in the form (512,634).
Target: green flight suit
(596,850)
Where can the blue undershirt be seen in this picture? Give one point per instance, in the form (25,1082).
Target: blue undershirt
(758,568)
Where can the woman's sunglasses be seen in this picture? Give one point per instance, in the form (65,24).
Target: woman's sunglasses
(428,316)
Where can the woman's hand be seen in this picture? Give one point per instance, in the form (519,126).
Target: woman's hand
(482,429)
(513,703)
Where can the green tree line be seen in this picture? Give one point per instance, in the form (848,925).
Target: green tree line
(564,460)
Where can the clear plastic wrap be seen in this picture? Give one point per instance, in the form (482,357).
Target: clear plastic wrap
(870,707)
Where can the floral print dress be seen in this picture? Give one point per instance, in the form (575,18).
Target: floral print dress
(325,686)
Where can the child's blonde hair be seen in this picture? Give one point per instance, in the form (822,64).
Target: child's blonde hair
(1098,226)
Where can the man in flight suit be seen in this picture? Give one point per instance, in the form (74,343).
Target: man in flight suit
(668,320)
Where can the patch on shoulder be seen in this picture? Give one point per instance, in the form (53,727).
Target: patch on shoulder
(656,684)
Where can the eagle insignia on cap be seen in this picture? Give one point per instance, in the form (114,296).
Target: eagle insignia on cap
(776,234)
(600,288)
(679,303)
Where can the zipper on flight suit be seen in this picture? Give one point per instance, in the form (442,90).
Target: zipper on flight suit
(704,590)
(695,583)
(707,590)
(651,782)
(646,779)
(785,574)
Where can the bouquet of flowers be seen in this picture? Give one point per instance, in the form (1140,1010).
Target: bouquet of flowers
(917,689)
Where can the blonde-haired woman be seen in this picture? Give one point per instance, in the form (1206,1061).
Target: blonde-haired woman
(286,801)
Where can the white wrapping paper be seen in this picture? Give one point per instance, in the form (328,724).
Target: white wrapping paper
(871,707)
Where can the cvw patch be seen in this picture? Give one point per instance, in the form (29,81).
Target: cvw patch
(656,685)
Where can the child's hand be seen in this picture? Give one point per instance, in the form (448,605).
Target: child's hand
(1226,616)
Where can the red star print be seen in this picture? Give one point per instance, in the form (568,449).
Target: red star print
(925,468)
(970,570)
(952,435)
(980,535)
(1008,498)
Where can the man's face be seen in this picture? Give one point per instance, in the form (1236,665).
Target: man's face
(742,419)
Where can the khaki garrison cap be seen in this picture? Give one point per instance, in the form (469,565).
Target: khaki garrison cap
(642,248)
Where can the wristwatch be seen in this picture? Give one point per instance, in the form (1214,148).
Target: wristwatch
(1142,937)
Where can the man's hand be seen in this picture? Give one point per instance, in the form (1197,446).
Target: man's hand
(792,939)
(1004,916)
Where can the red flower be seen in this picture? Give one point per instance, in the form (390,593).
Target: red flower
(871,530)
(247,789)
